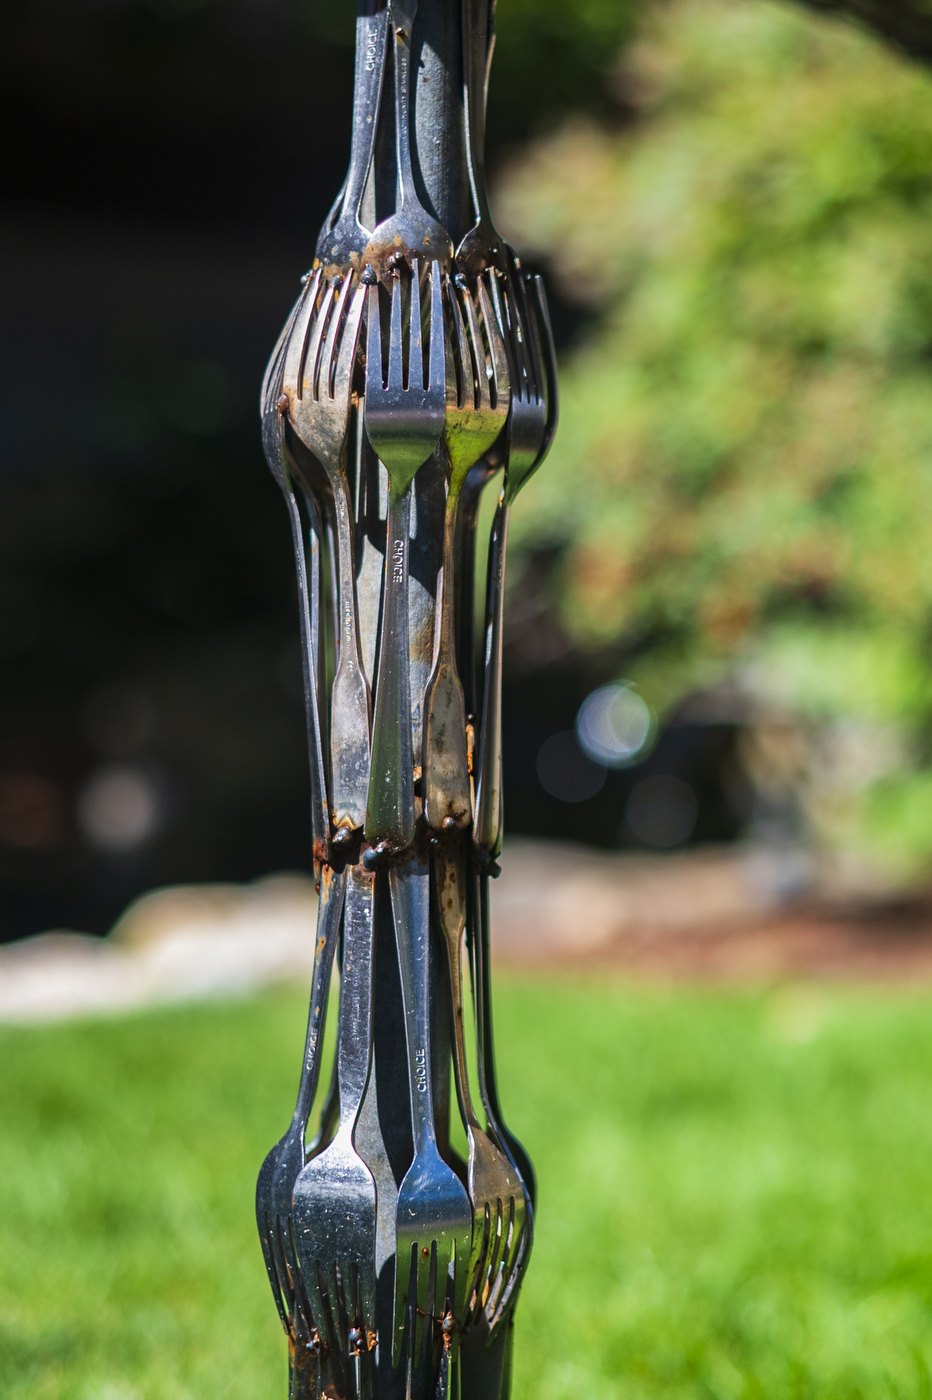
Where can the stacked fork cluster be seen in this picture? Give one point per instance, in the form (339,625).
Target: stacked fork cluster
(415,369)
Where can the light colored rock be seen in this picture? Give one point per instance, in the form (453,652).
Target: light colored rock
(553,897)
(172,944)
(552,901)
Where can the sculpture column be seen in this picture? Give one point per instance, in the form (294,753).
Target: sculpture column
(416,366)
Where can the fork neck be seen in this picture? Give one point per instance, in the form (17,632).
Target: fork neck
(436,125)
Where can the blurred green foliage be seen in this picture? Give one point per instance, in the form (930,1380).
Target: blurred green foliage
(552,59)
(734,1196)
(742,481)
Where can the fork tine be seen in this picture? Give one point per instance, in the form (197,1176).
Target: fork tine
(437,357)
(522,353)
(500,381)
(477,354)
(319,375)
(276,359)
(479,1268)
(271,1267)
(395,348)
(415,331)
(346,360)
(295,352)
(374,367)
(458,343)
(405,1305)
(537,385)
(323,324)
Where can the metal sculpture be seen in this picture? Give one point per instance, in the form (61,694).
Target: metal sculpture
(417,363)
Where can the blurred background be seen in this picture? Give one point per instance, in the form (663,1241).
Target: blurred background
(718,705)
(719,604)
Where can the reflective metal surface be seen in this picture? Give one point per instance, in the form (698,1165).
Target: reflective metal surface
(405,378)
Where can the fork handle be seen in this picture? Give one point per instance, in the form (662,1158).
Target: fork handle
(354,1048)
(390,810)
(329,909)
(450,870)
(309,616)
(488,830)
(478,40)
(410,892)
(371,33)
(445,763)
(350,706)
(402,13)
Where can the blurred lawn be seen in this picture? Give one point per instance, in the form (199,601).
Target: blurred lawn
(735,1195)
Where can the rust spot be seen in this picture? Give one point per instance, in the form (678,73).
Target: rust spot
(425,1252)
(284,404)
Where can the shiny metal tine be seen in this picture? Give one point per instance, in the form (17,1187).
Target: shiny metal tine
(296,353)
(323,326)
(342,379)
(339,1275)
(415,332)
(511,1282)
(375,370)
(310,1287)
(499,382)
(323,381)
(405,1309)
(464,377)
(328,1305)
(287,1273)
(495,1260)
(478,361)
(481,1271)
(437,355)
(274,1273)
(535,350)
(395,346)
(321,374)
(272,373)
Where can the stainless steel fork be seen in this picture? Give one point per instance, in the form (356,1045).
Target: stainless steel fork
(274,408)
(318,383)
(286,1159)
(334,1204)
(478,398)
(500,1207)
(404,421)
(531,426)
(433,1219)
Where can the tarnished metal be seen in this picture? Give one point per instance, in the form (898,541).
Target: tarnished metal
(317,382)
(404,421)
(405,377)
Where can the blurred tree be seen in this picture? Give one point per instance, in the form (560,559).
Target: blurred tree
(907,23)
(743,476)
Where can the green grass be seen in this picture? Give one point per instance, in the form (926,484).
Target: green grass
(735,1195)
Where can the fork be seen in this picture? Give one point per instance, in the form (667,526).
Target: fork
(318,383)
(334,1202)
(495,1187)
(274,406)
(286,1159)
(478,397)
(343,237)
(505,1287)
(433,1219)
(404,421)
(531,427)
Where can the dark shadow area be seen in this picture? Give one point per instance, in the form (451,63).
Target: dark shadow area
(166,168)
